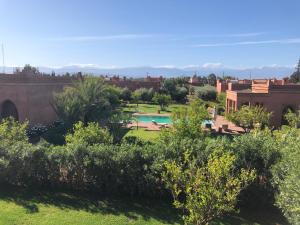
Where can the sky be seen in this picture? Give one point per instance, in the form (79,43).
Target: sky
(158,33)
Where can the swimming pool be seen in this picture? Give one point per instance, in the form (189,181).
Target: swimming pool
(162,119)
(157,119)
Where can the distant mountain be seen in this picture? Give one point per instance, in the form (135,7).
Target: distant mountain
(256,72)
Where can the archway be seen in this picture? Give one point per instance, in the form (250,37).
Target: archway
(8,109)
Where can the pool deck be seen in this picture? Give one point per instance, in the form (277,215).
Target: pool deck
(148,126)
(151,114)
(232,128)
(218,122)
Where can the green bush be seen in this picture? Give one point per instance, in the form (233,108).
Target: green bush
(287,173)
(206,191)
(207,93)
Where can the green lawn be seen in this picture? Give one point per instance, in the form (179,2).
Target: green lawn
(45,208)
(143,134)
(19,207)
(150,108)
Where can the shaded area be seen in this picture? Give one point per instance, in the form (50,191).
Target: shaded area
(131,208)
(8,109)
(263,216)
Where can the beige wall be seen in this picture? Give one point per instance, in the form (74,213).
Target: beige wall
(32,96)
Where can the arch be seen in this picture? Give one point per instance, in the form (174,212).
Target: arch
(9,109)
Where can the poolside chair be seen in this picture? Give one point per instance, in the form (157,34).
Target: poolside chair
(154,122)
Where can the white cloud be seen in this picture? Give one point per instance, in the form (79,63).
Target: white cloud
(278,41)
(165,66)
(212,65)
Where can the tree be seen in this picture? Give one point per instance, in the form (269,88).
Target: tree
(286,174)
(207,93)
(221,103)
(292,118)
(187,121)
(169,86)
(180,94)
(126,94)
(212,79)
(295,77)
(162,100)
(207,191)
(88,100)
(30,70)
(249,117)
(136,96)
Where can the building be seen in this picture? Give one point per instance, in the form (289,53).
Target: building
(134,84)
(30,97)
(223,85)
(194,80)
(277,96)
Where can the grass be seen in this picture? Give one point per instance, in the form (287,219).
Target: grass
(151,108)
(23,207)
(19,207)
(143,134)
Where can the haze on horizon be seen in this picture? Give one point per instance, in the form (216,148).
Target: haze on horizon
(136,33)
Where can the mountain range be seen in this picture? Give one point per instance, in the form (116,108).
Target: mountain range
(168,71)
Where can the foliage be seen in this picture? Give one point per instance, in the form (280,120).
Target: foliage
(143,94)
(207,191)
(287,173)
(89,135)
(90,100)
(295,77)
(126,94)
(187,122)
(176,88)
(162,100)
(212,79)
(207,93)
(28,69)
(136,97)
(257,150)
(249,117)
(292,118)
(14,150)
(221,103)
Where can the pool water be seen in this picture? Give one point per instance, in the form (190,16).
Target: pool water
(163,119)
(208,122)
(157,119)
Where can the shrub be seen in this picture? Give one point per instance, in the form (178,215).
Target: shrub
(162,100)
(207,191)
(249,117)
(125,94)
(207,93)
(89,135)
(286,175)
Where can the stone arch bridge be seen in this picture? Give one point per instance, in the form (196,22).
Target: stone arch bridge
(30,97)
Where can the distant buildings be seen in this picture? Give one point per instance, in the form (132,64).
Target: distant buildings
(133,84)
(277,96)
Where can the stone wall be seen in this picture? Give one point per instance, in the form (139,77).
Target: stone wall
(32,95)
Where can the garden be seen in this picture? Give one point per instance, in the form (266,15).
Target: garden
(86,169)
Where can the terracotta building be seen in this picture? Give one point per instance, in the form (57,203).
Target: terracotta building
(277,96)
(223,86)
(30,97)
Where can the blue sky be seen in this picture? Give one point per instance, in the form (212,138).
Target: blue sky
(125,33)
